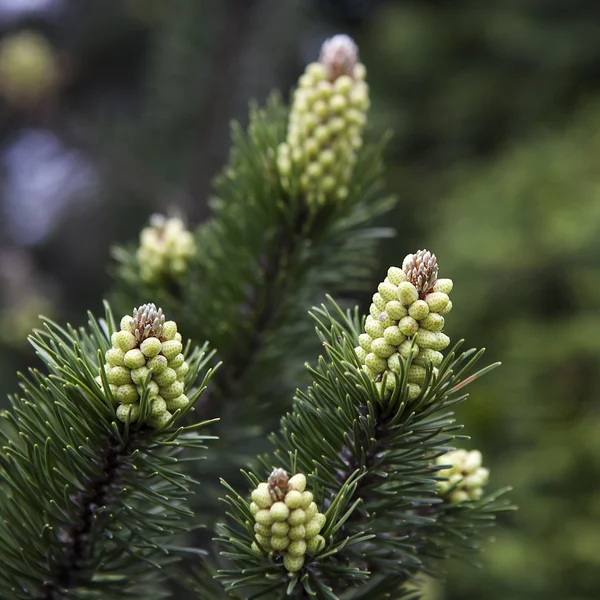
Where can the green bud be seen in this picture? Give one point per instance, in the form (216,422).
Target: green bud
(374,311)
(433,357)
(262,530)
(433,322)
(297,533)
(169,330)
(375,363)
(261,496)
(171,348)
(166,377)
(379,302)
(157,364)
(178,403)
(315,544)
(414,391)
(416,374)
(433,340)
(297,517)
(395,310)
(280,529)
(139,376)
(312,528)
(407,348)
(446,310)
(128,411)
(134,359)
(280,543)
(174,390)
(297,548)
(126,324)
(381,349)
(177,361)
(408,326)
(443,285)
(360,354)
(388,291)
(127,394)
(394,363)
(293,563)
(159,406)
(373,327)
(114,357)
(393,336)
(279,511)
(407,293)
(254,508)
(307,499)
(418,310)
(311,511)
(161,421)
(118,375)
(150,347)
(437,301)
(264,541)
(264,516)
(297,482)
(293,498)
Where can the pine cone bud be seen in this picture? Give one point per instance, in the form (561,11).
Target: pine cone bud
(405,324)
(165,250)
(287,520)
(465,478)
(146,358)
(326,122)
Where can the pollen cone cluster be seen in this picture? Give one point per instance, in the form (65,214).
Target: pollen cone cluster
(465,478)
(287,520)
(326,123)
(405,323)
(165,249)
(146,354)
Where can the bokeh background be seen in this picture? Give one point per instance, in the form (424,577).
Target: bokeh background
(112,110)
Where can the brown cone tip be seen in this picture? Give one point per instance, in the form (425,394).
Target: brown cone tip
(339,56)
(147,321)
(421,269)
(278,484)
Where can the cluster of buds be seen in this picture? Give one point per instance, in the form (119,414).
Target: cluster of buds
(465,478)
(405,323)
(146,355)
(326,123)
(287,521)
(165,250)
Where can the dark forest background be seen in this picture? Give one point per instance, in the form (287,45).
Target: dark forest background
(113,110)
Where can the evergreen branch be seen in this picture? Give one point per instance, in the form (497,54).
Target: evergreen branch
(87,503)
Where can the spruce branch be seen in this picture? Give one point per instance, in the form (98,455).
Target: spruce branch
(90,507)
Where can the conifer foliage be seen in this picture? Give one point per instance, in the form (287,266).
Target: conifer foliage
(362,488)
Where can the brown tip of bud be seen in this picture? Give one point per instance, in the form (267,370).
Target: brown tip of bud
(339,56)
(147,321)
(421,269)
(278,484)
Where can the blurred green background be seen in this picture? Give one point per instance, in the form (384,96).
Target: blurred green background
(112,110)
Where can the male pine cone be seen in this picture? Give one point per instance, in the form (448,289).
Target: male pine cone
(165,249)
(146,355)
(326,124)
(287,520)
(405,324)
(465,478)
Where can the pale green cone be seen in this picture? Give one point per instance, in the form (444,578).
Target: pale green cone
(405,324)
(326,123)
(165,250)
(464,479)
(286,518)
(138,364)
